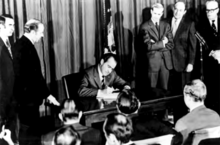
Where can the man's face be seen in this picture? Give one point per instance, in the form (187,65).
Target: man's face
(39,33)
(107,67)
(8,28)
(156,14)
(179,10)
(212,10)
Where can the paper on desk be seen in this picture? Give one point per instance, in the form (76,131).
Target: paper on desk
(111,96)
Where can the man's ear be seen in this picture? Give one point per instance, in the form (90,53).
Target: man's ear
(60,116)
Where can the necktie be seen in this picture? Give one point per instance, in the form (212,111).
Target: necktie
(174,27)
(214,27)
(9,47)
(103,82)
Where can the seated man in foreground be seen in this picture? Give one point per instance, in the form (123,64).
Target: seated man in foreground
(199,117)
(118,129)
(145,126)
(101,81)
(70,115)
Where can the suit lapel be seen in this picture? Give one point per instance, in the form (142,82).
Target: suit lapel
(4,47)
(161,26)
(153,28)
(179,28)
(96,77)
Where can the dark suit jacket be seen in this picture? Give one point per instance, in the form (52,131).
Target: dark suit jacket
(156,52)
(199,118)
(6,81)
(207,32)
(184,50)
(149,127)
(91,82)
(30,85)
(89,136)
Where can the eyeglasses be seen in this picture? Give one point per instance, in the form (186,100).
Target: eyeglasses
(211,10)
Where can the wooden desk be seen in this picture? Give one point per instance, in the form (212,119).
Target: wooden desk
(95,116)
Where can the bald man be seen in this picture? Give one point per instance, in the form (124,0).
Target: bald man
(209,29)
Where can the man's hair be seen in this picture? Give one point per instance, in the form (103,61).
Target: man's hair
(127,102)
(70,109)
(106,56)
(3,18)
(119,125)
(208,1)
(180,1)
(196,89)
(157,6)
(32,24)
(68,131)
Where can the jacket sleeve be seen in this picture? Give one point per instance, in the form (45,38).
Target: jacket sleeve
(118,82)
(151,46)
(192,44)
(169,36)
(85,89)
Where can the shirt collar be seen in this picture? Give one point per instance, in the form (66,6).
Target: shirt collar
(4,38)
(25,34)
(177,20)
(196,107)
(155,22)
(100,73)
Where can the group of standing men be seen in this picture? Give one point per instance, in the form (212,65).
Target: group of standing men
(171,45)
(22,86)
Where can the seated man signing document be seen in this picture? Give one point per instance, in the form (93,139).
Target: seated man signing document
(101,81)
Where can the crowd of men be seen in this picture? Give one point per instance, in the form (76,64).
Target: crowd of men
(170,48)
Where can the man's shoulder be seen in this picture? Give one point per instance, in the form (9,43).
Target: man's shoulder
(145,24)
(90,70)
(48,138)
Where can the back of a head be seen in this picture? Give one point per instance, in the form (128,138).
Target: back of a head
(32,24)
(70,109)
(118,125)
(67,136)
(196,89)
(127,103)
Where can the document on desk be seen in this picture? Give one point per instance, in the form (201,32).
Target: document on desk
(111,96)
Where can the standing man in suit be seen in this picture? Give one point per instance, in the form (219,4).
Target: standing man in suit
(70,115)
(199,117)
(101,80)
(158,41)
(209,29)
(7,101)
(30,85)
(184,51)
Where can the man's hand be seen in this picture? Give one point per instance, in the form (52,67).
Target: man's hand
(165,40)
(189,68)
(6,135)
(216,55)
(127,87)
(53,100)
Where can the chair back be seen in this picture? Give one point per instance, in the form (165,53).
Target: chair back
(206,133)
(71,84)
